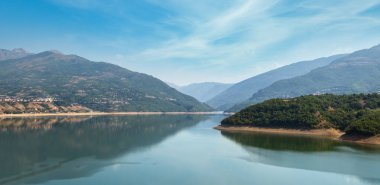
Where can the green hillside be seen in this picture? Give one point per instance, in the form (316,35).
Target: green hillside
(355,114)
(97,85)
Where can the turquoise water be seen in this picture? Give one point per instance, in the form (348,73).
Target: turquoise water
(170,149)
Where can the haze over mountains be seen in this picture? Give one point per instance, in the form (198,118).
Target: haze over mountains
(106,87)
(358,72)
(243,90)
(203,91)
(99,86)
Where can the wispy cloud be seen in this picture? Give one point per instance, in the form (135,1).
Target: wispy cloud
(257,36)
(192,41)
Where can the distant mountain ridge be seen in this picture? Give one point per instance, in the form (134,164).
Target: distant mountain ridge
(203,91)
(99,86)
(245,89)
(358,72)
(13,54)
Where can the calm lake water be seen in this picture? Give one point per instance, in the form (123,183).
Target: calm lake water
(172,150)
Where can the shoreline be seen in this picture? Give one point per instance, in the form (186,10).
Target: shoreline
(105,113)
(327,133)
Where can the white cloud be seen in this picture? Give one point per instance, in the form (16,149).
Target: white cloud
(232,40)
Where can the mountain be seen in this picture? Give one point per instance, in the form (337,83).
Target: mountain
(12,54)
(204,91)
(243,90)
(100,86)
(358,72)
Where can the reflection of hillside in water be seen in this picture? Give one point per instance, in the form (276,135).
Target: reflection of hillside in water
(24,124)
(28,145)
(311,153)
(282,142)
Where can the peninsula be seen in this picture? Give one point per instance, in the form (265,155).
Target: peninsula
(345,117)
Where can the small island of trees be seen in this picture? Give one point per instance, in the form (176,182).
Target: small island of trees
(357,114)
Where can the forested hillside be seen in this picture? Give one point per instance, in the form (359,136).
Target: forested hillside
(354,114)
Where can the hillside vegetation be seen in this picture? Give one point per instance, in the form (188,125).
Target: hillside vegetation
(354,114)
(99,86)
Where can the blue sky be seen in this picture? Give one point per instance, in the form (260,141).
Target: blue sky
(185,41)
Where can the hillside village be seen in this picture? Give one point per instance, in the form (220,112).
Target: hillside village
(14,99)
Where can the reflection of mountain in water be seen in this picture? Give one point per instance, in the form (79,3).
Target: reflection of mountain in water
(310,153)
(37,123)
(39,144)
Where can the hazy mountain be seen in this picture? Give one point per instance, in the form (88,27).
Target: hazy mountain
(358,72)
(12,54)
(175,86)
(97,85)
(204,91)
(243,90)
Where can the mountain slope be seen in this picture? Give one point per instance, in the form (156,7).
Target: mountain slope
(204,91)
(243,90)
(12,54)
(97,85)
(358,72)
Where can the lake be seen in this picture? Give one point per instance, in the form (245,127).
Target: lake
(172,149)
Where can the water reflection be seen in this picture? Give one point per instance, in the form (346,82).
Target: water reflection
(282,142)
(311,153)
(31,146)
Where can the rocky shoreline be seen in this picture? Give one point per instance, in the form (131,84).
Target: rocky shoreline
(330,133)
